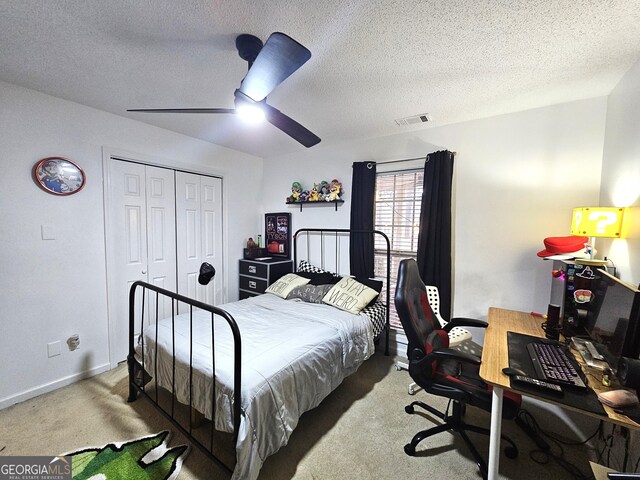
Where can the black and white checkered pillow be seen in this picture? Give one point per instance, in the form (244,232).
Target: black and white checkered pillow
(305,266)
(377,315)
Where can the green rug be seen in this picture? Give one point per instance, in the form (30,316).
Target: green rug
(147,458)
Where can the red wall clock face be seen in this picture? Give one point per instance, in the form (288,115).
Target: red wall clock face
(59,176)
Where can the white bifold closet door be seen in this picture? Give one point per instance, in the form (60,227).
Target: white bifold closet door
(142,242)
(162,225)
(199,234)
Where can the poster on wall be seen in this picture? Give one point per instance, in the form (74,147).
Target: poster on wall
(278,234)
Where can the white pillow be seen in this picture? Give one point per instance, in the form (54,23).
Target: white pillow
(284,285)
(349,295)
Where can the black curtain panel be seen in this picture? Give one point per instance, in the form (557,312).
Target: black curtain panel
(434,238)
(363,190)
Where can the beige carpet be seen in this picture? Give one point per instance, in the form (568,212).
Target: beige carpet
(358,432)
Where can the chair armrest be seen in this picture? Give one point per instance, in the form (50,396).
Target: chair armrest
(418,361)
(453,354)
(464,322)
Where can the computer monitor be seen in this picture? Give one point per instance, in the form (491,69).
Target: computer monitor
(613,319)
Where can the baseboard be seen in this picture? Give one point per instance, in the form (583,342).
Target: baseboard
(50,387)
(397,343)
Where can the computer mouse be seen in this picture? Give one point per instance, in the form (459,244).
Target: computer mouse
(513,371)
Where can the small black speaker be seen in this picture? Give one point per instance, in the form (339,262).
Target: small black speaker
(551,327)
(629,372)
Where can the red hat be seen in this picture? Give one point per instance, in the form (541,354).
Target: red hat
(562,245)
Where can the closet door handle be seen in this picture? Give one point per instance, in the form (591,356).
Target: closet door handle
(144,272)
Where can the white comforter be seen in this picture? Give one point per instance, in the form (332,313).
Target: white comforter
(293,355)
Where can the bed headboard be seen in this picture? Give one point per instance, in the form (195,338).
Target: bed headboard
(328,248)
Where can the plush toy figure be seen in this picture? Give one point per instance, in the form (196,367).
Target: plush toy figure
(335,191)
(313,194)
(323,190)
(296,190)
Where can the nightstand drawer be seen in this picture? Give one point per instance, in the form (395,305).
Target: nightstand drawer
(252,284)
(253,269)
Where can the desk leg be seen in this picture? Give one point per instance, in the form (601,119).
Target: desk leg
(496,430)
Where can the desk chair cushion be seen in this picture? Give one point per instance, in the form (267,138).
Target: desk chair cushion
(467,377)
(450,375)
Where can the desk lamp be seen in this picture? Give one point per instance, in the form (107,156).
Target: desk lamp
(595,222)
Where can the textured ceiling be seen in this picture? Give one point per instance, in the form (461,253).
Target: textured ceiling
(372,60)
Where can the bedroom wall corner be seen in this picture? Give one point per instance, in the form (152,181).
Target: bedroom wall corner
(621,172)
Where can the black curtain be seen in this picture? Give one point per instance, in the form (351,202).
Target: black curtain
(434,238)
(363,190)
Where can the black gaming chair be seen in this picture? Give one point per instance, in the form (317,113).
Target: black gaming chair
(443,371)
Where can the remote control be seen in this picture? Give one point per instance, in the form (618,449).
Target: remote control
(551,387)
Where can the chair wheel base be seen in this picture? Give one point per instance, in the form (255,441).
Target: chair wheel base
(511,452)
(409,450)
(409,409)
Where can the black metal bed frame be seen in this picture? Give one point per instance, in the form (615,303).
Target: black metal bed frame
(137,371)
(138,377)
(335,232)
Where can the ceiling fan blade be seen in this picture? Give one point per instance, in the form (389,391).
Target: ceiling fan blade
(279,58)
(290,126)
(183,110)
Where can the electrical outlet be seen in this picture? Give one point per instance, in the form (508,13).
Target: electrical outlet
(73,342)
(53,349)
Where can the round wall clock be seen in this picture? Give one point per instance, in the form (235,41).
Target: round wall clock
(59,176)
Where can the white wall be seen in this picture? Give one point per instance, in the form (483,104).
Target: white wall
(517,179)
(621,187)
(52,289)
(621,171)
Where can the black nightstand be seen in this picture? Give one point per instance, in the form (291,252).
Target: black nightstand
(256,275)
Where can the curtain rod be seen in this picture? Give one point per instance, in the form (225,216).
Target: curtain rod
(405,160)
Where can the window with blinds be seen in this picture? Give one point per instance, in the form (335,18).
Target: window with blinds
(397,214)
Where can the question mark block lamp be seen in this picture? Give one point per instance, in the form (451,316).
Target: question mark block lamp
(597,221)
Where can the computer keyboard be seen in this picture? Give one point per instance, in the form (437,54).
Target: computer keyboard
(553,365)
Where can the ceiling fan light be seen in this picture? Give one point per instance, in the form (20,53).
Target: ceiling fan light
(250,113)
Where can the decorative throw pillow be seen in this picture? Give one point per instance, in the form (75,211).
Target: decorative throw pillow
(324,278)
(305,266)
(284,285)
(349,295)
(371,283)
(309,293)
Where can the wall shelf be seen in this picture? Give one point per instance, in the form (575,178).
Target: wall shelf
(322,202)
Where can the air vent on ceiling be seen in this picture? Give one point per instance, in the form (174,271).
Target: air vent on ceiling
(413,120)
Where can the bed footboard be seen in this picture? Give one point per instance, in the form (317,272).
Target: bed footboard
(139,378)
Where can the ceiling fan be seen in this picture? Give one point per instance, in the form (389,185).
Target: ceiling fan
(269,65)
